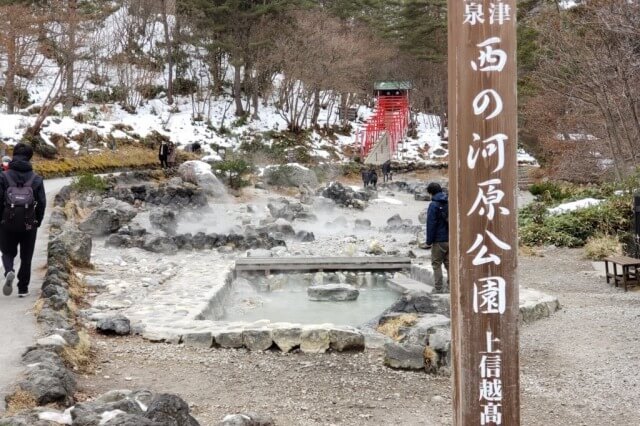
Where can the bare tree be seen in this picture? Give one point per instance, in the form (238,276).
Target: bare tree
(591,66)
(19,41)
(322,54)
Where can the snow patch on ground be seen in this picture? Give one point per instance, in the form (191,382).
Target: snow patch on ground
(58,418)
(387,200)
(574,205)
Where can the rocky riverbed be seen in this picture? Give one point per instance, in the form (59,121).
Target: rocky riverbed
(162,269)
(591,344)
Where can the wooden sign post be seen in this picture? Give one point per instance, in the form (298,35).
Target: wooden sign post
(483,212)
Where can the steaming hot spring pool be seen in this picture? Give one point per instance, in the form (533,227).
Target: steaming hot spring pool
(284,298)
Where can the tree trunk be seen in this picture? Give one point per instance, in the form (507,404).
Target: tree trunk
(70,54)
(256,101)
(237,90)
(9,87)
(316,107)
(169,44)
(344,103)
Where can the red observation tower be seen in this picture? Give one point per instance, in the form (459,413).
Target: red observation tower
(381,134)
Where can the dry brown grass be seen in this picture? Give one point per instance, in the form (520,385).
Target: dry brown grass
(597,248)
(80,357)
(20,400)
(430,359)
(530,251)
(131,157)
(74,212)
(392,326)
(76,289)
(37,307)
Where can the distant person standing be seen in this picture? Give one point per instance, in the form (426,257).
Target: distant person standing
(163,154)
(364,173)
(5,163)
(386,171)
(373,178)
(438,233)
(22,205)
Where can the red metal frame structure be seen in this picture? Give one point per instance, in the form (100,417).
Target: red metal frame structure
(391,116)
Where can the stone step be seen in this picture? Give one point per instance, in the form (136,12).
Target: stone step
(404,284)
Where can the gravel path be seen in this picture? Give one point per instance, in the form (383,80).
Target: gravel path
(578,367)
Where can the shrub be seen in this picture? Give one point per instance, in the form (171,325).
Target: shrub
(119,94)
(234,169)
(184,86)
(597,248)
(99,96)
(21,96)
(549,191)
(573,229)
(150,91)
(89,182)
(97,79)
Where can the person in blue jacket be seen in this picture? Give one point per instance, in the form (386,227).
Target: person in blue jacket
(438,233)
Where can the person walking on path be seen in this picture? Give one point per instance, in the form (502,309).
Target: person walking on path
(438,233)
(22,205)
(163,154)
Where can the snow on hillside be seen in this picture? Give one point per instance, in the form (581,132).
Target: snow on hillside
(176,121)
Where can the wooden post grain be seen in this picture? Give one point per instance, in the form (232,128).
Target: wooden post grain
(482,124)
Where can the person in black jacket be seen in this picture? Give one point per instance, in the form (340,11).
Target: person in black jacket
(438,233)
(20,172)
(386,171)
(163,155)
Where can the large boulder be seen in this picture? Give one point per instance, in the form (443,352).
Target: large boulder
(315,340)
(345,196)
(346,339)
(199,173)
(170,410)
(281,226)
(47,379)
(108,217)
(332,293)
(258,339)
(78,245)
(428,325)
(290,211)
(396,224)
(117,324)
(405,357)
(287,338)
(166,220)
(305,236)
(422,303)
(290,175)
(159,244)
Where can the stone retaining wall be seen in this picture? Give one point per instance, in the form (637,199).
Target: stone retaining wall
(49,378)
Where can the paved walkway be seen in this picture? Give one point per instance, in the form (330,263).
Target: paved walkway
(18,322)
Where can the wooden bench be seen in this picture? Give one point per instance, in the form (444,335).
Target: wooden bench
(629,273)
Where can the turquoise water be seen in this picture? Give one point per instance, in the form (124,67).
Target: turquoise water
(291,304)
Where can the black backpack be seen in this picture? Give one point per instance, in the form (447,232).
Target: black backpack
(19,212)
(443,212)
